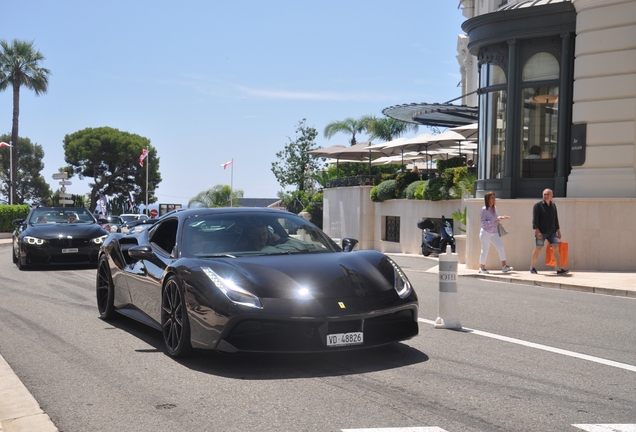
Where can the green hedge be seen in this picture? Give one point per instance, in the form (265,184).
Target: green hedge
(386,190)
(410,189)
(8,213)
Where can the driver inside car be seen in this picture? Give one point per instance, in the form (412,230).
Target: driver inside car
(260,236)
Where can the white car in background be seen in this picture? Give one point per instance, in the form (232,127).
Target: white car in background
(129,220)
(127,217)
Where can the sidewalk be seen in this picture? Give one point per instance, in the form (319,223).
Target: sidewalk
(20,412)
(608,283)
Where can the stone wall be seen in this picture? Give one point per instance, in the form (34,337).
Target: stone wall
(600,231)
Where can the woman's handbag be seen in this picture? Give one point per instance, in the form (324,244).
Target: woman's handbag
(501,230)
(563,252)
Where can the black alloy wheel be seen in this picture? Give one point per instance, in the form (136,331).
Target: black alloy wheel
(22,261)
(105,290)
(15,257)
(174,320)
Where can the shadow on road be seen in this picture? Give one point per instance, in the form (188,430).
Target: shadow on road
(257,366)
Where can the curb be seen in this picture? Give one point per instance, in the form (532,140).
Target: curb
(557,285)
(19,410)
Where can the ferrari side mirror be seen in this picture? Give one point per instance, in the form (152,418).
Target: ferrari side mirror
(348,244)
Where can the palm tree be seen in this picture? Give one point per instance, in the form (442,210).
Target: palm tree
(216,196)
(348,125)
(19,66)
(388,128)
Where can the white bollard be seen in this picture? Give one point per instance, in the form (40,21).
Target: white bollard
(448,309)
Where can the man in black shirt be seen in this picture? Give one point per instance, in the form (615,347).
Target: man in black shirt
(545,222)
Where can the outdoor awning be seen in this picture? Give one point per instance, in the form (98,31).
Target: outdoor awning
(440,115)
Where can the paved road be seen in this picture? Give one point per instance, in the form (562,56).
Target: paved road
(566,360)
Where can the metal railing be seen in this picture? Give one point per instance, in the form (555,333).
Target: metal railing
(350,181)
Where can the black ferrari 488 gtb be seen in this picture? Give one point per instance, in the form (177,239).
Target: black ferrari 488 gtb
(253,280)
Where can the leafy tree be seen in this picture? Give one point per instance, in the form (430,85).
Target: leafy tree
(349,125)
(29,185)
(388,128)
(19,66)
(295,201)
(314,208)
(216,196)
(111,158)
(295,166)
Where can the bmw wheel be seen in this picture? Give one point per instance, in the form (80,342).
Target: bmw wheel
(22,261)
(174,320)
(105,290)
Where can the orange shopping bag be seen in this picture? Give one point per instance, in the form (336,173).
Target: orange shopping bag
(563,251)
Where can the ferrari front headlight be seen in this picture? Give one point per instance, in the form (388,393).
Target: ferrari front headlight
(400,281)
(99,240)
(34,240)
(233,292)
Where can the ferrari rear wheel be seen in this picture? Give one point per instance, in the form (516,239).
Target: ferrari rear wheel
(105,290)
(174,320)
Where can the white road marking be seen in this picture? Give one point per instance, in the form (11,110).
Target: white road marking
(599,360)
(607,427)
(402,429)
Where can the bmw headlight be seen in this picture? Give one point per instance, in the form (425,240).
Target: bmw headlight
(99,240)
(400,281)
(235,293)
(34,240)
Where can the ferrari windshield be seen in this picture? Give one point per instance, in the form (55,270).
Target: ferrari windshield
(61,215)
(252,234)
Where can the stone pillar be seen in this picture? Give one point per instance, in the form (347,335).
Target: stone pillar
(604,98)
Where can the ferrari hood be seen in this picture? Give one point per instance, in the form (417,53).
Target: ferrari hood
(320,276)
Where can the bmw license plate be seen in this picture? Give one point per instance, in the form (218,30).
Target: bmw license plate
(70,250)
(342,339)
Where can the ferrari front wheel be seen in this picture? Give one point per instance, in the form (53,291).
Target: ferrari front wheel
(174,320)
(105,290)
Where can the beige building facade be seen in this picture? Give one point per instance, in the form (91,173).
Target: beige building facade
(590,93)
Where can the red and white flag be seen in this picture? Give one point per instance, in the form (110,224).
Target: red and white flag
(142,156)
(4,144)
(227,163)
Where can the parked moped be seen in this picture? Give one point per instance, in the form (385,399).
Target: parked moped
(434,242)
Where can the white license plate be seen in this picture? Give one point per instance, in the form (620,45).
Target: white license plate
(70,250)
(342,339)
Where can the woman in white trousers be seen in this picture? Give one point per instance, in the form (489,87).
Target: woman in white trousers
(490,234)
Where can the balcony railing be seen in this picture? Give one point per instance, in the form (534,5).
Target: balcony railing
(350,181)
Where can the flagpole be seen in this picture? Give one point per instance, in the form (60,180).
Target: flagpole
(10,145)
(232,183)
(11,171)
(147,167)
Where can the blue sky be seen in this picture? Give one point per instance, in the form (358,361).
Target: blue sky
(211,81)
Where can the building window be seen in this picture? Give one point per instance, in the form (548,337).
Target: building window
(541,66)
(493,101)
(540,115)
(392,228)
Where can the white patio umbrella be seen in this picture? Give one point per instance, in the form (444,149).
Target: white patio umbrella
(469,131)
(361,152)
(402,145)
(325,152)
(448,139)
